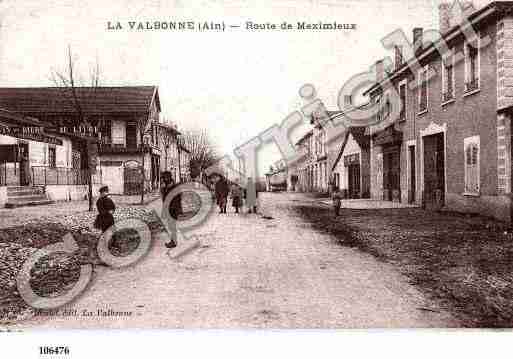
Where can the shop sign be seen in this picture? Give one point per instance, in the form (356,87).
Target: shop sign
(353,159)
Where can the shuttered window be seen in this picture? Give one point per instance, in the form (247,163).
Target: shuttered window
(472,179)
(423,89)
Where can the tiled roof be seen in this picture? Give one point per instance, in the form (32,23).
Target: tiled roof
(480,14)
(51,100)
(305,136)
(14,118)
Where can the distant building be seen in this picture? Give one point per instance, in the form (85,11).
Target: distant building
(351,169)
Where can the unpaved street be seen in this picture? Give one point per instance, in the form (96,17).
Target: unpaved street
(252,272)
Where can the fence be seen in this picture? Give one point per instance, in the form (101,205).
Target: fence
(9,174)
(42,176)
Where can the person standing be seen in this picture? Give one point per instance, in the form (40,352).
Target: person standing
(236,193)
(337,200)
(105,205)
(168,185)
(222,190)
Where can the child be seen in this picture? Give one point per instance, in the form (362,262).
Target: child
(236,193)
(337,200)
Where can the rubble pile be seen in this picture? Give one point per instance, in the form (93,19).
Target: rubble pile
(58,272)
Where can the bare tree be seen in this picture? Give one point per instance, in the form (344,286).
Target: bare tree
(81,100)
(203,151)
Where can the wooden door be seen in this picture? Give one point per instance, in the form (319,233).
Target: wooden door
(413,179)
(391,171)
(354,180)
(434,171)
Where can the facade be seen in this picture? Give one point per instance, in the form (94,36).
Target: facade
(278,180)
(312,171)
(36,163)
(351,169)
(450,146)
(126,120)
(168,143)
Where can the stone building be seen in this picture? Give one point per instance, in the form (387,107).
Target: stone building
(450,145)
(312,170)
(125,119)
(351,169)
(37,165)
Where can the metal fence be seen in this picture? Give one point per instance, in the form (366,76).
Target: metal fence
(9,174)
(42,176)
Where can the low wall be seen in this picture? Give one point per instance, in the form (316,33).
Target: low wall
(70,192)
(498,207)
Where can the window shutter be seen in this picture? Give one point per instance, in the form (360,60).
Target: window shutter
(472,168)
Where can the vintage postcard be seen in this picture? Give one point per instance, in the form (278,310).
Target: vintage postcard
(289,164)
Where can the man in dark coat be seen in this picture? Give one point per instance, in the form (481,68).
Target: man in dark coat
(105,205)
(175,206)
(222,190)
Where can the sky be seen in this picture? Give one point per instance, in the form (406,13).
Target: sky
(234,84)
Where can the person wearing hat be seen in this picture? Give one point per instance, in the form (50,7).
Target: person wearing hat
(167,186)
(105,205)
(236,193)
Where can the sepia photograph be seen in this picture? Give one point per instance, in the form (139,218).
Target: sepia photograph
(334,166)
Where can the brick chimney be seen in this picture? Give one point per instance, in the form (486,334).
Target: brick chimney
(380,71)
(417,39)
(444,17)
(398,56)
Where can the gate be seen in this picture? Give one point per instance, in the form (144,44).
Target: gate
(133,178)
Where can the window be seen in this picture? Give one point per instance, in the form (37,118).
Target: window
(472,180)
(448,78)
(402,98)
(423,89)
(105,127)
(379,112)
(388,107)
(51,157)
(472,65)
(131,134)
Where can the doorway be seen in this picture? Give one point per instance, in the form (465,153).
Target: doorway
(354,180)
(391,173)
(434,171)
(24,159)
(413,179)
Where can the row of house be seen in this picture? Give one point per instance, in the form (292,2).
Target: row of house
(451,144)
(43,149)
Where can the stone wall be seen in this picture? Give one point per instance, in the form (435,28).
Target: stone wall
(505,62)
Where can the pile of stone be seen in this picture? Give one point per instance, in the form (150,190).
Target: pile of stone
(58,272)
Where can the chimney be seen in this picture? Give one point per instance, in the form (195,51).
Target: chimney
(417,39)
(380,71)
(398,56)
(444,17)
